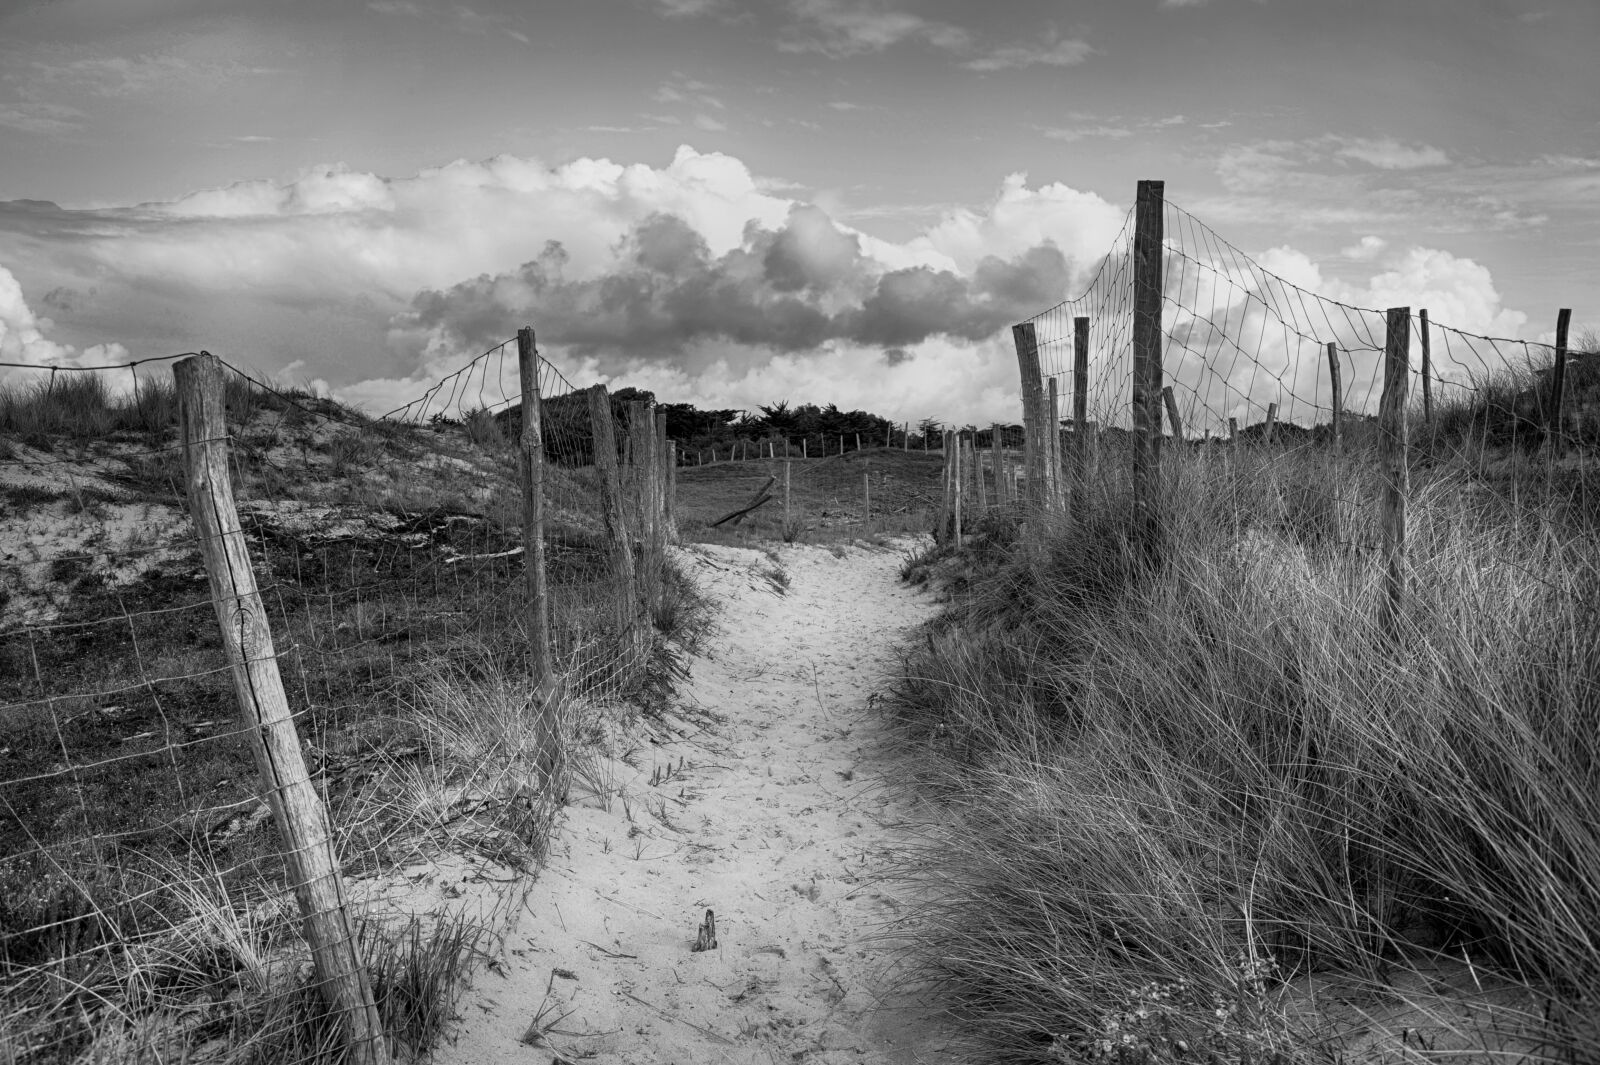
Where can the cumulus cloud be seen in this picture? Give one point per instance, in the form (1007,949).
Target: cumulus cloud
(693,277)
(23,339)
(1365,249)
(789,290)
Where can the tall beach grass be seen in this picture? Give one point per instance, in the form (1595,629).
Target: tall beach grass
(1179,797)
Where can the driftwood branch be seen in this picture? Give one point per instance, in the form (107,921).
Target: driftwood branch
(763,495)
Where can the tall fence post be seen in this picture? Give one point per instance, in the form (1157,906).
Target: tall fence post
(1149,226)
(955,476)
(666,481)
(866,497)
(1081,442)
(614,515)
(947,484)
(976,457)
(1338,397)
(1033,459)
(1558,377)
(1052,448)
(646,493)
(1427,367)
(302,820)
(1392,466)
(787,533)
(531,473)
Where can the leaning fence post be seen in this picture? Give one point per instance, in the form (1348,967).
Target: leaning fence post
(1172,414)
(302,820)
(1271,423)
(1338,397)
(613,515)
(1392,466)
(1149,224)
(1033,459)
(1558,376)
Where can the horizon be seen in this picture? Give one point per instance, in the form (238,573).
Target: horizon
(840,201)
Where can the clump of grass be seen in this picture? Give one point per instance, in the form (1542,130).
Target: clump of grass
(1179,776)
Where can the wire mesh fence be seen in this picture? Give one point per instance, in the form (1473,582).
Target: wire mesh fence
(153,905)
(1245,356)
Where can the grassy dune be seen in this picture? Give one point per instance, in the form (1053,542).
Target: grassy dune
(1208,811)
(142,914)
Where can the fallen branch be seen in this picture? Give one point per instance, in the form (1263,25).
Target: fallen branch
(761,497)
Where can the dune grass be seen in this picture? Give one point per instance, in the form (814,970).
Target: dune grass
(142,914)
(1175,796)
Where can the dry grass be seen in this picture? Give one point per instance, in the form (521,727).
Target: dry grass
(1176,796)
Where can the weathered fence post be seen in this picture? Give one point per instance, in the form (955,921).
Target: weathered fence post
(666,482)
(1173,419)
(1053,446)
(1080,412)
(642,440)
(531,474)
(1392,466)
(614,515)
(866,497)
(955,475)
(1033,459)
(302,820)
(1233,432)
(1338,397)
(1427,368)
(1558,378)
(787,532)
(1149,226)
(1271,424)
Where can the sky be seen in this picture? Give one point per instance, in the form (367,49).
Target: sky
(732,204)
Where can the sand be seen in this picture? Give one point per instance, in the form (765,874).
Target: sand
(781,821)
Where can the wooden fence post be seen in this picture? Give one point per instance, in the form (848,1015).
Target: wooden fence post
(531,473)
(666,482)
(786,531)
(955,476)
(647,524)
(1053,445)
(1149,226)
(1392,466)
(1271,424)
(302,820)
(866,497)
(1033,460)
(944,495)
(1233,432)
(1173,419)
(614,514)
(1558,378)
(1080,412)
(1338,397)
(1427,368)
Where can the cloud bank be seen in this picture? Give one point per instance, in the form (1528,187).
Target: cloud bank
(693,278)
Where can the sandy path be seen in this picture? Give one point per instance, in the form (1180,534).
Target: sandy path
(778,822)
